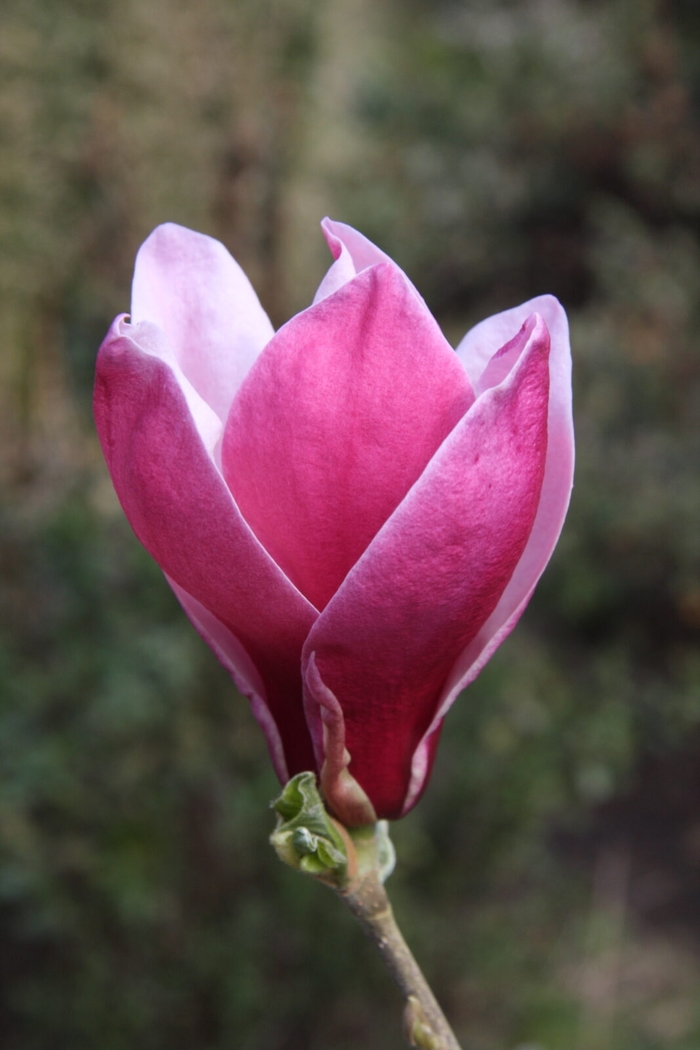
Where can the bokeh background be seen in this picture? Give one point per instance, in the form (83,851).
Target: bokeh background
(550,878)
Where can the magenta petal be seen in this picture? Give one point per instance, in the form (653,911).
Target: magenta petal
(189,285)
(183,513)
(336,420)
(342,794)
(475,350)
(430,580)
(151,340)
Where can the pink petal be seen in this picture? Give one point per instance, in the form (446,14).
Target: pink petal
(342,794)
(352,252)
(334,423)
(431,578)
(182,511)
(150,340)
(188,285)
(475,349)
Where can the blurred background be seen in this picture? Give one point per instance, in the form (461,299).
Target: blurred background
(549,881)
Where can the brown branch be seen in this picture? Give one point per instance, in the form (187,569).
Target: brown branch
(426,1025)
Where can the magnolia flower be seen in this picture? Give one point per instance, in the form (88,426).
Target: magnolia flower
(352,514)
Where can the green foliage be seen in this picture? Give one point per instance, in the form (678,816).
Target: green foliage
(305,838)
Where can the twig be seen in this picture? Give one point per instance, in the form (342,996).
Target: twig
(425,1024)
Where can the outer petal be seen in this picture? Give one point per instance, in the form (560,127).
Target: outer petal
(432,577)
(150,341)
(337,419)
(487,339)
(475,349)
(191,287)
(181,510)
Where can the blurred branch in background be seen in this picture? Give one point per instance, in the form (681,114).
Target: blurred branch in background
(496,150)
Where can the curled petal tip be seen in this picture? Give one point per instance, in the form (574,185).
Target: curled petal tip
(344,796)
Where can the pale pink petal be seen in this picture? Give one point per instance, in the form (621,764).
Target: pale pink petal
(189,285)
(352,252)
(431,578)
(554,501)
(336,420)
(181,510)
(486,339)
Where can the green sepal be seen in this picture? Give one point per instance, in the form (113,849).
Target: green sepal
(374,849)
(305,837)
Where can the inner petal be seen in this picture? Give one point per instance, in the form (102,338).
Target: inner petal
(334,423)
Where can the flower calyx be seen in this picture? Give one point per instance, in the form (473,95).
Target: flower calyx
(310,840)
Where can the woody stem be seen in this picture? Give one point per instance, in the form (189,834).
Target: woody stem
(426,1025)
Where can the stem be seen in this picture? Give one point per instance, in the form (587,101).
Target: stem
(426,1025)
(354,862)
